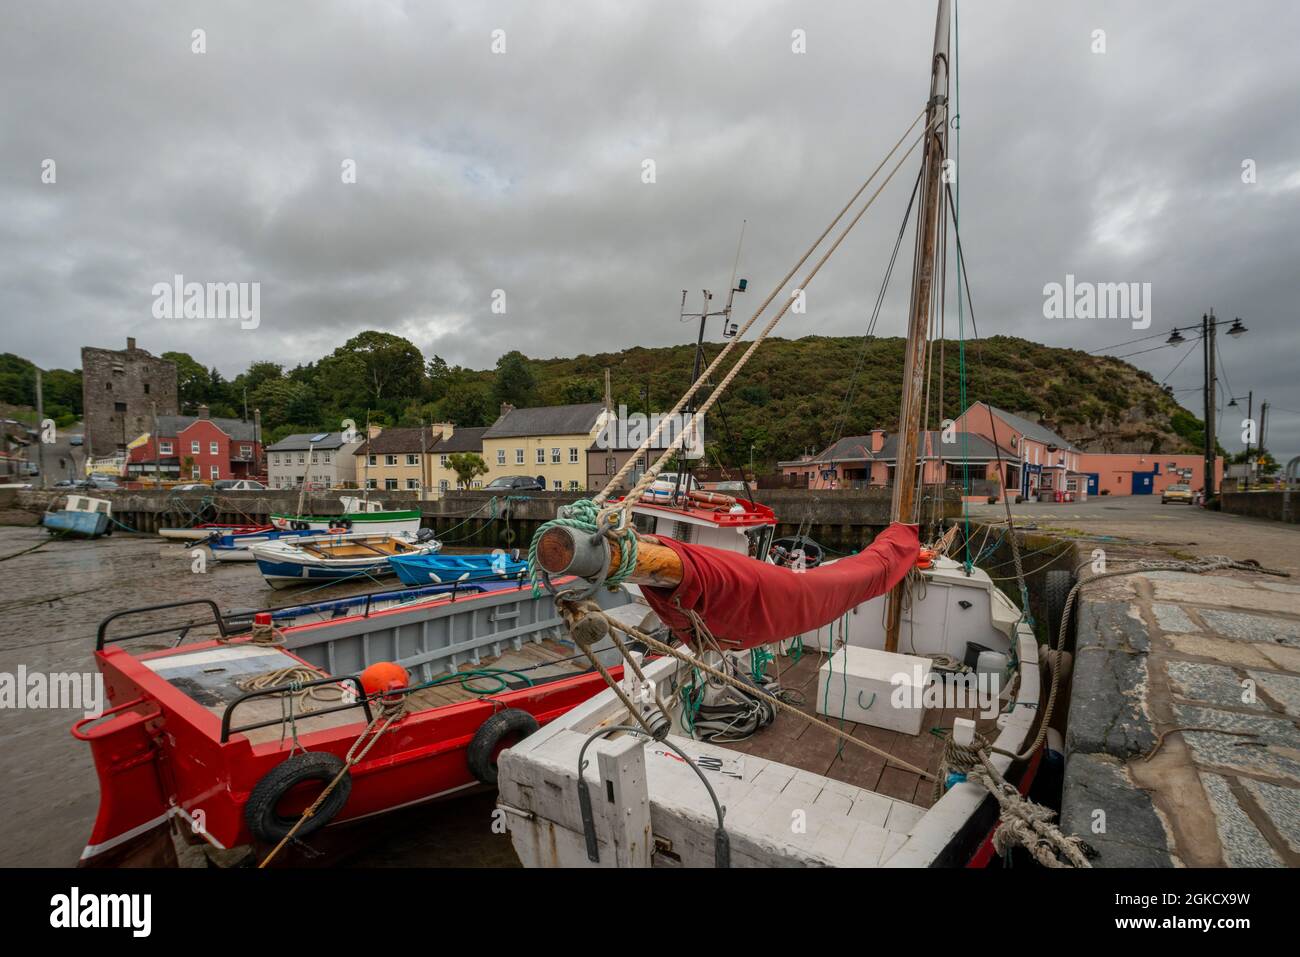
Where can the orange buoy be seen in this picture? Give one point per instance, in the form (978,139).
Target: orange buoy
(925,558)
(384,677)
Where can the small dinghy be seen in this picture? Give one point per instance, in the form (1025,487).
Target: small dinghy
(81,517)
(237,546)
(444,569)
(336,557)
(359,514)
(209,529)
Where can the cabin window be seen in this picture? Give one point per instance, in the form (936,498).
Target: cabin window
(573,456)
(501,456)
(519,456)
(541,456)
(412,459)
(390,459)
(390,485)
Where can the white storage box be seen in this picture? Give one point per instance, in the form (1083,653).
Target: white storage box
(874,679)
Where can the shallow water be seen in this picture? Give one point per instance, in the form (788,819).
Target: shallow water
(51,603)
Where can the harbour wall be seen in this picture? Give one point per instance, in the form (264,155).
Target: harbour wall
(840,520)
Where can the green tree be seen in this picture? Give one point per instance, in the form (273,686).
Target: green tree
(467,405)
(467,466)
(515,382)
(192,380)
(376,369)
(282,401)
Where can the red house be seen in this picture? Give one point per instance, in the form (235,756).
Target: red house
(198,449)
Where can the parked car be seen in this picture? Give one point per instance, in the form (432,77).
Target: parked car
(733,488)
(1177,493)
(238,485)
(97,483)
(192,487)
(517,483)
(76,439)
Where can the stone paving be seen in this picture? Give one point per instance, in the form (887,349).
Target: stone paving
(1212,663)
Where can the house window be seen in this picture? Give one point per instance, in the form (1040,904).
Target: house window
(413,485)
(196,472)
(214,472)
(245,450)
(146,388)
(390,485)
(370,483)
(412,459)
(371,460)
(573,485)
(213,448)
(119,406)
(442,460)
(559,486)
(443,485)
(315,458)
(573,456)
(302,458)
(519,456)
(165,448)
(390,459)
(541,456)
(555,456)
(501,456)
(477,484)
(108,387)
(194,446)
(327,458)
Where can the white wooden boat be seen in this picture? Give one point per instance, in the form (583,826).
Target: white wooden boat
(351,556)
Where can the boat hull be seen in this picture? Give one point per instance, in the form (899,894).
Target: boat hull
(406,522)
(421,570)
(76,524)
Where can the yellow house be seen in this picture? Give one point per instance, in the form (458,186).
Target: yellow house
(549,442)
(413,460)
(453,440)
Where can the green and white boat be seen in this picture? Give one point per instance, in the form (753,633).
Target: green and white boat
(359,514)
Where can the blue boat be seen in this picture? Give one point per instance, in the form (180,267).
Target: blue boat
(464,569)
(82,517)
(236,546)
(370,603)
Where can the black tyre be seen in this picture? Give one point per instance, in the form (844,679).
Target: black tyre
(495,735)
(262,812)
(1056,590)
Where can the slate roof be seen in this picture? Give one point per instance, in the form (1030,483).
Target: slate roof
(391,441)
(965,445)
(546,420)
(301,441)
(462,440)
(170,426)
(1032,430)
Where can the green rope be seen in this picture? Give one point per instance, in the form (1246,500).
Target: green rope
(759,657)
(582,516)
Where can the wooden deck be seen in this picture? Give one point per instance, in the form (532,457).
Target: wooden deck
(540,661)
(799,744)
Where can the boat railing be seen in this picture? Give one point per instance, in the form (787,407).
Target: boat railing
(101,633)
(360,701)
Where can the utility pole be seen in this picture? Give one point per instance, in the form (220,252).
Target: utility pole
(1263,419)
(157,447)
(40,426)
(1207,341)
(927,227)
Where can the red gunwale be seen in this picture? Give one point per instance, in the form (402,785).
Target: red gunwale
(754,514)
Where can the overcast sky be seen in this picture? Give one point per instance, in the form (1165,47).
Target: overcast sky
(522,171)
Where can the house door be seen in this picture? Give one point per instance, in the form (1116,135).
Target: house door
(1094,481)
(1143,482)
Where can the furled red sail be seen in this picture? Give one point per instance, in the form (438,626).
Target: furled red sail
(746,603)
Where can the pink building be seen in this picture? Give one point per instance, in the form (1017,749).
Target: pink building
(1039,460)
(1144,473)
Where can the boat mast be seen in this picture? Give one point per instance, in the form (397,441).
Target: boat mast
(909,420)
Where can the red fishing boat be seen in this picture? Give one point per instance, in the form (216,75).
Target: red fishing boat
(225,741)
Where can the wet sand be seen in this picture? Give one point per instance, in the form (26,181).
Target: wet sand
(51,602)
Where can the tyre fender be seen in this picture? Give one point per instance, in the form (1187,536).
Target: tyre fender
(267,823)
(493,736)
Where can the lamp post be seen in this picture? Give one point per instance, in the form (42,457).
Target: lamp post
(1209,330)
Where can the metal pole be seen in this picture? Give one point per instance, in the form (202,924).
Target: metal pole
(909,420)
(157,447)
(40,426)
(1207,341)
(1250,413)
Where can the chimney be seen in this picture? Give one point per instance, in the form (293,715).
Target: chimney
(445,429)
(203,412)
(130,343)
(506,408)
(373,430)
(877,440)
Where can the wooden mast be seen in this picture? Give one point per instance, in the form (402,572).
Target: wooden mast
(909,419)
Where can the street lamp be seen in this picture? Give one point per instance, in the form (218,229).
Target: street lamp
(1209,329)
(1175,339)
(1250,414)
